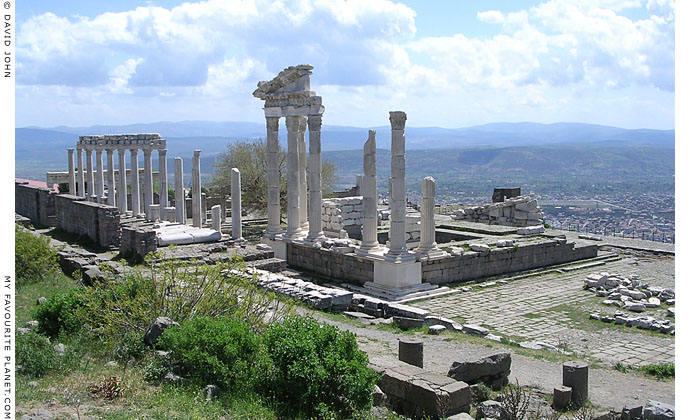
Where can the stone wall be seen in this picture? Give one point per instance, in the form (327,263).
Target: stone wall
(138,241)
(518,211)
(36,203)
(339,214)
(330,263)
(499,260)
(100,222)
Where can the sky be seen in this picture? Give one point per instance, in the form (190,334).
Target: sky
(447,63)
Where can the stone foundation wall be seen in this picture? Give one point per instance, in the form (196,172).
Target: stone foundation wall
(138,241)
(473,265)
(36,203)
(343,214)
(518,211)
(331,263)
(100,222)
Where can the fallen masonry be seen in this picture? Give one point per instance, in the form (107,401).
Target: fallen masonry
(628,293)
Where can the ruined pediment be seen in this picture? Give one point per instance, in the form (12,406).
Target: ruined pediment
(294,79)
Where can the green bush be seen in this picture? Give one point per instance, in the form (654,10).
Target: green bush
(34,259)
(318,369)
(65,312)
(221,351)
(36,355)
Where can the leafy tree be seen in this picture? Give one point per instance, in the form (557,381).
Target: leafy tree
(250,158)
(34,259)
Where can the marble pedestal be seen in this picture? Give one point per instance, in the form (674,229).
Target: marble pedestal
(278,244)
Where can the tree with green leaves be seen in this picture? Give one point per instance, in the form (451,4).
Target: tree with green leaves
(250,158)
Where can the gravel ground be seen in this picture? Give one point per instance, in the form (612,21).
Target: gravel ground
(608,389)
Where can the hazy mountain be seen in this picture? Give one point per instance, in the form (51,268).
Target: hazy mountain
(487,146)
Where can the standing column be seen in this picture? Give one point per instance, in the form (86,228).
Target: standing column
(89,175)
(163,180)
(293,126)
(273,174)
(180,217)
(236,196)
(122,187)
(148,183)
(111,176)
(99,175)
(427,240)
(397,199)
(369,197)
(134,163)
(315,222)
(196,189)
(303,208)
(70,167)
(80,173)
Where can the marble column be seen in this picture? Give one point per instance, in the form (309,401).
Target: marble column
(215,218)
(111,176)
(163,182)
(136,194)
(315,222)
(236,196)
(294,228)
(89,176)
(369,198)
(180,216)
(427,240)
(99,176)
(273,174)
(122,186)
(196,189)
(397,200)
(303,206)
(148,184)
(70,177)
(80,174)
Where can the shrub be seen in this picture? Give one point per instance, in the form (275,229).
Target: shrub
(222,351)
(65,312)
(317,368)
(181,291)
(34,259)
(35,354)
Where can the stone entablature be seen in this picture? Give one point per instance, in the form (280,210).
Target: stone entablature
(121,141)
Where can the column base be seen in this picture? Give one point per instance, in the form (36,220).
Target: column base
(314,238)
(366,249)
(399,256)
(397,275)
(431,253)
(278,245)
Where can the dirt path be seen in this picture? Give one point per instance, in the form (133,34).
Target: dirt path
(608,389)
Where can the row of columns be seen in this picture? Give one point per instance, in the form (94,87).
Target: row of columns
(95,191)
(303,220)
(397,199)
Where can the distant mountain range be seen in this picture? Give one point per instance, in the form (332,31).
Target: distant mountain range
(38,149)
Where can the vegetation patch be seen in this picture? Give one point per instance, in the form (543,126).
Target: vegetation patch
(34,259)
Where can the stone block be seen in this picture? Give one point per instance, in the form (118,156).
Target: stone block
(561,397)
(411,351)
(487,369)
(655,410)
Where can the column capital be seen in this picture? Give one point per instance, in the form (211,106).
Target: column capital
(397,119)
(197,153)
(109,151)
(71,150)
(88,151)
(314,122)
(272,123)
(162,151)
(134,151)
(147,152)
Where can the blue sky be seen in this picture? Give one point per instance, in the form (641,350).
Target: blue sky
(446,63)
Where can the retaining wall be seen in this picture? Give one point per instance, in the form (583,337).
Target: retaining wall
(330,263)
(100,222)
(36,203)
(473,265)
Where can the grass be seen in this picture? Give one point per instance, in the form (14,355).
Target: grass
(532,316)
(661,371)
(27,296)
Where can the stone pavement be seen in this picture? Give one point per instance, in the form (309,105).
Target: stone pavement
(553,308)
